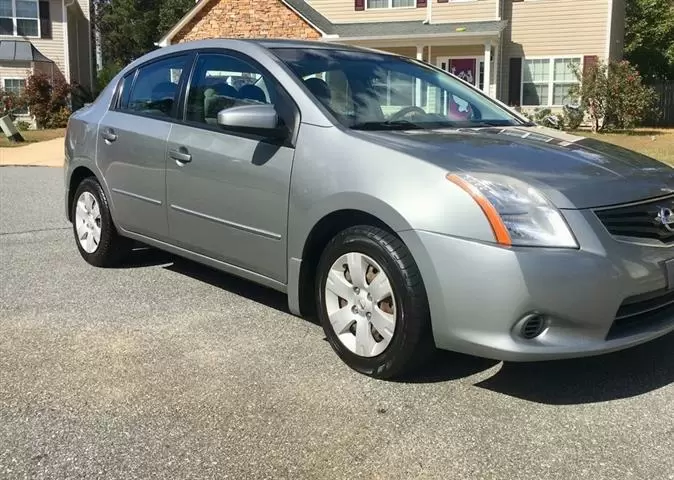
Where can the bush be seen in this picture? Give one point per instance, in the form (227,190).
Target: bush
(10,103)
(105,76)
(48,100)
(573,117)
(613,95)
(545,118)
(22,125)
(80,96)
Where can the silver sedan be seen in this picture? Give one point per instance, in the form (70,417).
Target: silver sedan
(402,206)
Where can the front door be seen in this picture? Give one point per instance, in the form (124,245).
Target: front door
(470,69)
(227,192)
(131,150)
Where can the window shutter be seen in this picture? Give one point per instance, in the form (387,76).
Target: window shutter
(515,81)
(421,3)
(359,5)
(45,20)
(589,61)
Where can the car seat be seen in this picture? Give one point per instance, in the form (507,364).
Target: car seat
(320,89)
(216,98)
(252,92)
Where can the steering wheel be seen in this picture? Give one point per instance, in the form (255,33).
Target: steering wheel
(406,111)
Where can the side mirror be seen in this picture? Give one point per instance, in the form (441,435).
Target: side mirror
(259,119)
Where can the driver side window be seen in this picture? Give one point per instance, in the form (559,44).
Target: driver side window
(220,82)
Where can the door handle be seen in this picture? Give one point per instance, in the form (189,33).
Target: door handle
(109,135)
(181,155)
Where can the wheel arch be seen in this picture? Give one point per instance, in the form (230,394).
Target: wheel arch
(320,234)
(76,177)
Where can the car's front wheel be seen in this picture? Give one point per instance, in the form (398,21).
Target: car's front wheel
(95,233)
(372,302)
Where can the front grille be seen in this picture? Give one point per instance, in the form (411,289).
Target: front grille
(641,312)
(643,220)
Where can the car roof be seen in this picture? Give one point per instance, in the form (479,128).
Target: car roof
(266,43)
(288,43)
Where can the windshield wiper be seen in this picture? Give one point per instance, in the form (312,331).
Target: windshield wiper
(387,125)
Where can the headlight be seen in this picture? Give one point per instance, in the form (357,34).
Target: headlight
(518,213)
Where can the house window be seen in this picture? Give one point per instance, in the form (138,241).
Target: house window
(546,81)
(19,18)
(16,86)
(371,4)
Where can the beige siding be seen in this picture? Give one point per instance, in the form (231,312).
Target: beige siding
(52,48)
(558,27)
(546,28)
(342,11)
(456,51)
(464,11)
(19,70)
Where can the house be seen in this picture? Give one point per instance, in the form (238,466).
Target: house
(519,51)
(50,36)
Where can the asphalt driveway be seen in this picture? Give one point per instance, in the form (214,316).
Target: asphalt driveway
(166,369)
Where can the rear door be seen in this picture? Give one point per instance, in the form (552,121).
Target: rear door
(228,191)
(131,149)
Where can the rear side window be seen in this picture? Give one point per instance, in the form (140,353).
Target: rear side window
(156,88)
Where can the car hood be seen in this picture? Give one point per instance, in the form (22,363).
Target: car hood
(573,172)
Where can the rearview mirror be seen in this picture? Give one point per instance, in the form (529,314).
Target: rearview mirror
(259,119)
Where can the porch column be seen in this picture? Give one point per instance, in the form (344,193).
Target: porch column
(420,57)
(487,67)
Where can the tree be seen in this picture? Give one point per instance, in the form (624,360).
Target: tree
(130,28)
(649,38)
(171,12)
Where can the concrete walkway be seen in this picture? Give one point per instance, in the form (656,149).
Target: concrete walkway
(44,154)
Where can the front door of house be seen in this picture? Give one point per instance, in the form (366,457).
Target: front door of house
(469,69)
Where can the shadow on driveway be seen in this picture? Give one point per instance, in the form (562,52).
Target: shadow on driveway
(613,376)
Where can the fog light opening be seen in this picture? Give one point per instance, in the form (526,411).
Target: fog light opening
(533,326)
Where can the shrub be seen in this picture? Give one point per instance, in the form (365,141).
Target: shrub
(573,117)
(22,125)
(545,118)
(105,76)
(48,100)
(80,96)
(10,103)
(613,95)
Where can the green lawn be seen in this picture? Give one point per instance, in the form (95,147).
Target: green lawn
(656,143)
(32,136)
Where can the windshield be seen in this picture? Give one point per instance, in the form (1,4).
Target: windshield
(376,91)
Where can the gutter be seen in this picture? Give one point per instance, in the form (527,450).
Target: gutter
(427,35)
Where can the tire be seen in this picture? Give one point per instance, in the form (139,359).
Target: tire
(411,342)
(110,248)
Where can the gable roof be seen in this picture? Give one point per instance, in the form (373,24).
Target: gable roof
(357,30)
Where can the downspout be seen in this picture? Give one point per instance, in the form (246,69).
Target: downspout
(429,13)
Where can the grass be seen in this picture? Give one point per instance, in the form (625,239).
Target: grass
(33,136)
(656,143)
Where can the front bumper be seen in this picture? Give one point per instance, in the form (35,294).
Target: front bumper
(479,292)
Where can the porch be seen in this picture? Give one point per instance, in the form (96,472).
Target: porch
(470,51)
